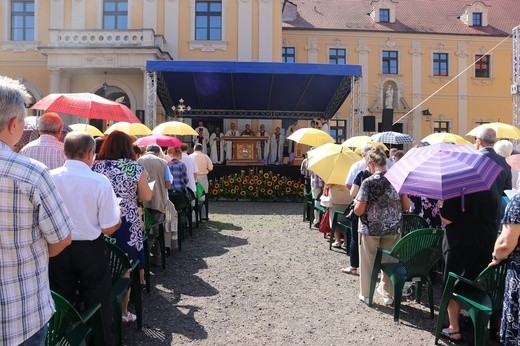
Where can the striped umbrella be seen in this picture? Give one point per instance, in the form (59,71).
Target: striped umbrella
(443,171)
(392,137)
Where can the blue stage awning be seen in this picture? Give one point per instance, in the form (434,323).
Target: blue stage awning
(253,89)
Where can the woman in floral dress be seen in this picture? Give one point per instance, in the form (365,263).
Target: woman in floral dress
(507,248)
(116,160)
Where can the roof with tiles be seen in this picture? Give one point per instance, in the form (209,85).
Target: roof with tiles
(411,16)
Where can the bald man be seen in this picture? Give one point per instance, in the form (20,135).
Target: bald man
(48,149)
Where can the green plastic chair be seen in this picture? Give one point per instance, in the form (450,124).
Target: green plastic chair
(180,201)
(416,253)
(482,298)
(318,207)
(344,226)
(120,265)
(307,206)
(199,194)
(412,222)
(153,231)
(69,327)
(193,209)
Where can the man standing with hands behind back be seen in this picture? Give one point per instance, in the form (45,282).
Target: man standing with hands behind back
(84,266)
(34,226)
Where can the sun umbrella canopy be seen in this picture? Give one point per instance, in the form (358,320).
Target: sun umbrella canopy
(445,137)
(443,171)
(174,128)
(356,141)
(91,130)
(160,140)
(311,136)
(331,162)
(360,141)
(503,130)
(392,137)
(132,129)
(86,105)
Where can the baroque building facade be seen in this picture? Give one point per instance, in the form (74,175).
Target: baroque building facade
(447,64)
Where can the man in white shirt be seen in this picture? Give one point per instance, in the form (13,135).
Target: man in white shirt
(204,166)
(48,149)
(92,204)
(324,125)
(191,167)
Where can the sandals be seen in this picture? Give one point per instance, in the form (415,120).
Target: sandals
(128,318)
(350,270)
(448,334)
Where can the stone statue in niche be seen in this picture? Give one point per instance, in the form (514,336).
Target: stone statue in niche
(389,98)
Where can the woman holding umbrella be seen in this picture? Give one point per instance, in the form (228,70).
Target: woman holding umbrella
(380,209)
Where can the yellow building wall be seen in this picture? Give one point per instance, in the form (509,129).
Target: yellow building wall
(488,99)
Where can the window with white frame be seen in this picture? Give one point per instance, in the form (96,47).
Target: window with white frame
(337,56)
(384,15)
(482,66)
(208,20)
(115,14)
(288,54)
(477,19)
(440,64)
(390,65)
(22,20)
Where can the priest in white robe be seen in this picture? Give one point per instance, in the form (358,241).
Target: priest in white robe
(276,147)
(263,146)
(233,132)
(217,146)
(202,138)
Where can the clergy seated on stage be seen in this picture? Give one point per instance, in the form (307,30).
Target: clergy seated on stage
(229,144)
(276,147)
(202,138)
(247,131)
(217,146)
(263,146)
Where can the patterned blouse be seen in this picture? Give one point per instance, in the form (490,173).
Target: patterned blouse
(384,211)
(511,306)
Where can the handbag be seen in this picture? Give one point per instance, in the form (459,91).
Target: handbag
(324,223)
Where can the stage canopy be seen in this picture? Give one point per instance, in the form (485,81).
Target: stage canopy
(253,89)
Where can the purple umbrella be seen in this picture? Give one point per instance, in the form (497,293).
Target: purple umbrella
(443,171)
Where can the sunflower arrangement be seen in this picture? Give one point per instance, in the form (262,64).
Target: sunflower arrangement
(256,185)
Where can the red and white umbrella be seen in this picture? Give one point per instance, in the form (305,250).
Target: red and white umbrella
(86,105)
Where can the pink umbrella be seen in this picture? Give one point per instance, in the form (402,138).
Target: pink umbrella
(160,140)
(86,105)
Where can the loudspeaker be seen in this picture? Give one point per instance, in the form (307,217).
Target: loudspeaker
(369,123)
(139,113)
(388,119)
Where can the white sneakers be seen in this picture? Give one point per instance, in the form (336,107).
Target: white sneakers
(129,317)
